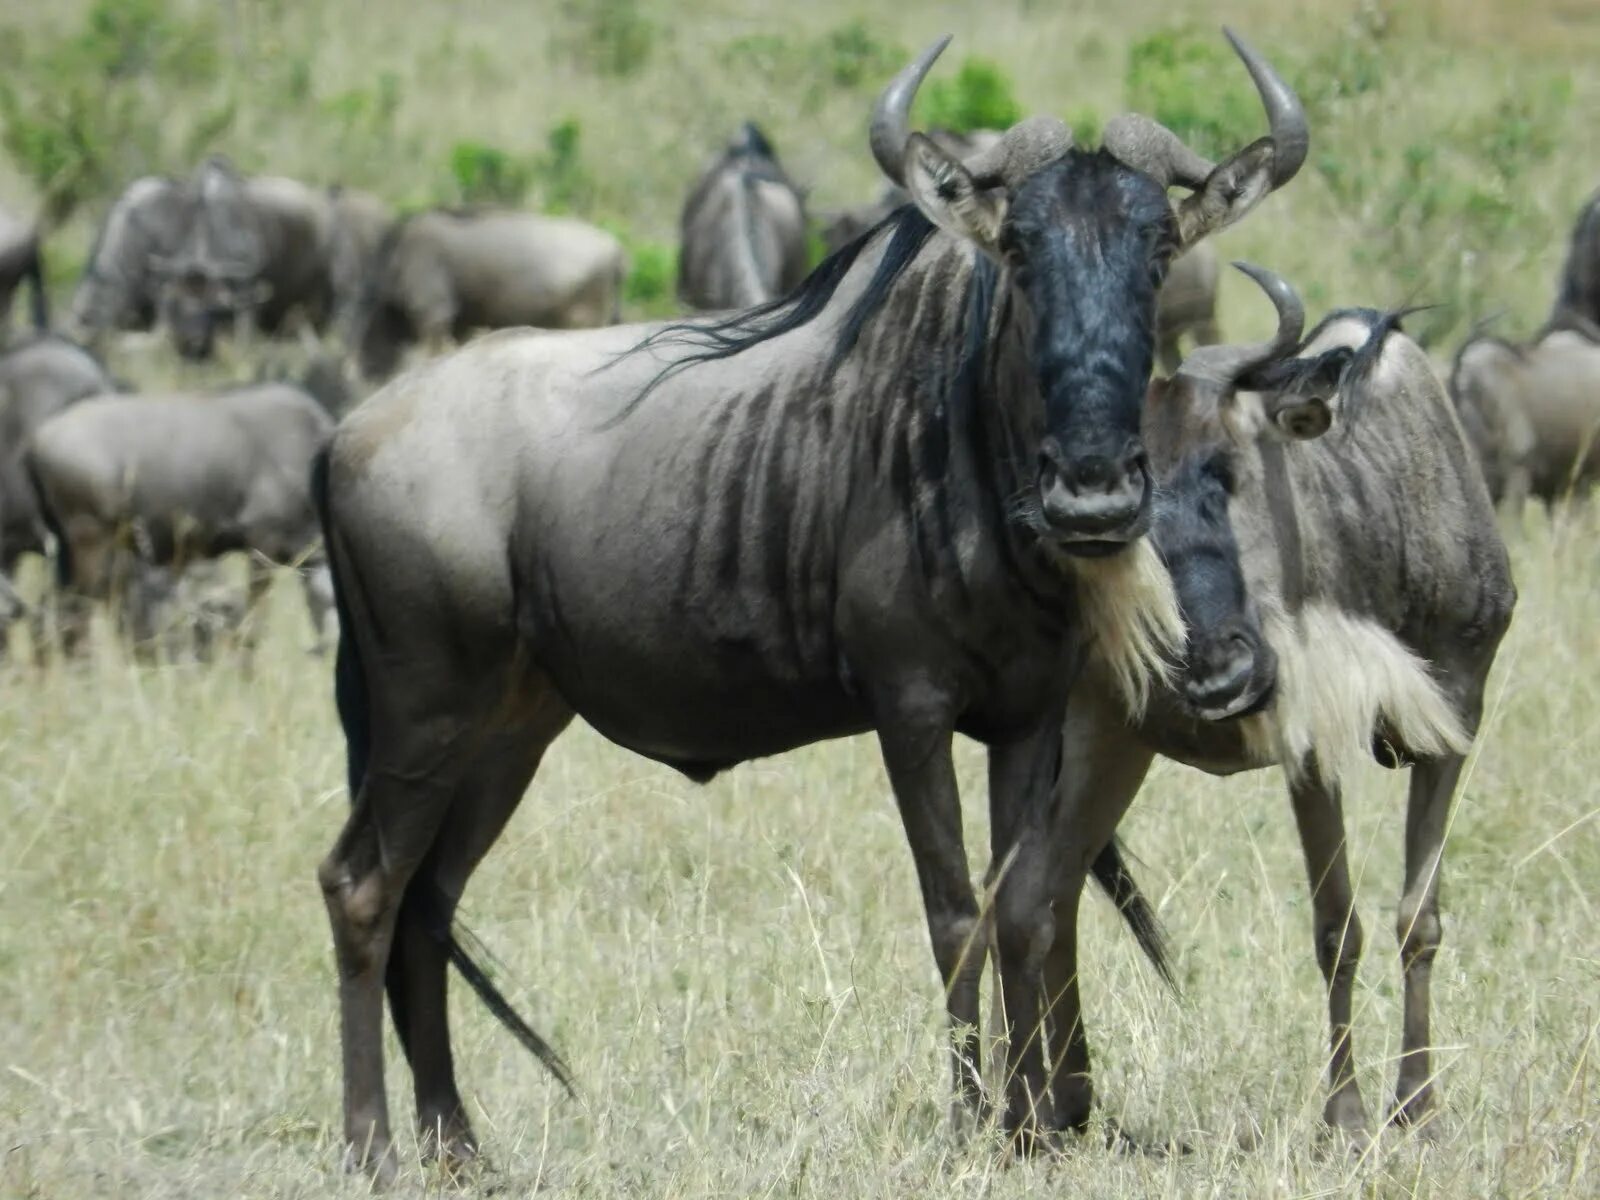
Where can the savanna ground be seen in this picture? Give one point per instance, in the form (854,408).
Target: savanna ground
(739,974)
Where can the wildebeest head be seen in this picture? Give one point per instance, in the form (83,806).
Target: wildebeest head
(1222,397)
(196,298)
(1084,239)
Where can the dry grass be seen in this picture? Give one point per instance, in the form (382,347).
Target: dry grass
(740,974)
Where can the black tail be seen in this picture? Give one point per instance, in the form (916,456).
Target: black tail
(34,274)
(1111,873)
(350,695)
(52,522)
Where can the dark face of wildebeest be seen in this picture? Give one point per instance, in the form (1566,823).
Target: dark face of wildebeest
(196,302)
(1083,240)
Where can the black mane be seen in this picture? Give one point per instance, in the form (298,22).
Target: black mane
(1342,370)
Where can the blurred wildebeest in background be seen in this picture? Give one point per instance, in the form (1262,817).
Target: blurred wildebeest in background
(131,482)
(742,233)
(1187,304)
(1343,600)
(357,223)
(874,506)
(444,273)
(1532,413)
(118,290)
(38,379)
(843,227)
(1578,292)
(20,261)
(253,249)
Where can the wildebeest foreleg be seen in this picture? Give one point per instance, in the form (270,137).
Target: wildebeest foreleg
(1102,768)
(317,583)
(1433,784)
(917,758)
(1022,786)
(1319,814)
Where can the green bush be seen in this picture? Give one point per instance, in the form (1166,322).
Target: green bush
(561,180)
(850,56)
(1188,79)
(978,97)
(652,276)
(486,175)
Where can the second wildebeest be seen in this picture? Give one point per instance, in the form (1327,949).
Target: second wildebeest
(902,499)
(38,379)
(1187,306)
(21,262)
(442,274)
(128,482)
(742,233)
(1343,599)
(1532,414)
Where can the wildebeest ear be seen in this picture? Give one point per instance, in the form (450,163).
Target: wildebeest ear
(1300,418)
(1229,192)
(946,193)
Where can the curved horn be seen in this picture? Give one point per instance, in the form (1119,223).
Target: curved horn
(1286,118)
(1223,365)
(891,115)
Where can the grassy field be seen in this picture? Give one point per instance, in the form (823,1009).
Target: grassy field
(739,974)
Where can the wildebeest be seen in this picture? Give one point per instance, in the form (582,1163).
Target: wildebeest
(841,228)
(38,379)
(118,287)
(444,273)
(742,233)
(1532,413)
(357,223)
(1344,599)
(1187,305)
(20,262)
(253,248)
(163,481)
(885,502)
(1577,303)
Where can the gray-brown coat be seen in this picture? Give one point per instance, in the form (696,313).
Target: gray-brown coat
(1532,414)
(1187,305)
(119,286)
(441,274)
(20,262)
(742,233)
(172,479)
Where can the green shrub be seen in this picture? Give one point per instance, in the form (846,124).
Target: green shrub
(978,97)
(611,37)
(1189,80)
(484,174)
(562,181)
(850,56)
(652,277)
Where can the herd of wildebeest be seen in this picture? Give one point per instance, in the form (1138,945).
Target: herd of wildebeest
(926,487)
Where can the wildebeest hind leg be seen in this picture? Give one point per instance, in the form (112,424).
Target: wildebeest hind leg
(416,978)
(1433,784)
(917,757)
(1319,814)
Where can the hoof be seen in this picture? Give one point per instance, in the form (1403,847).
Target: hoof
(376,1161)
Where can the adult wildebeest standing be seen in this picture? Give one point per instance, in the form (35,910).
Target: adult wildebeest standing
(742,233)
(163,481)
(253,248)
(357,224)
(868,506)
(119,285)
(1187,305)
(38,379)
(1577,303)
(1373,594)
(20,262)
(441,274)
(1532,414)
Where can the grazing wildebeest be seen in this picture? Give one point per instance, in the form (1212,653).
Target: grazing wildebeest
(1532,414)
(839,229)
(1344,599)
(253,247)
(163,481)
(38,379)
(901,499)
(1187,305)
(742,233)
(118,288)
(20,262)
(441,274)
(357,223)
(1577,303)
